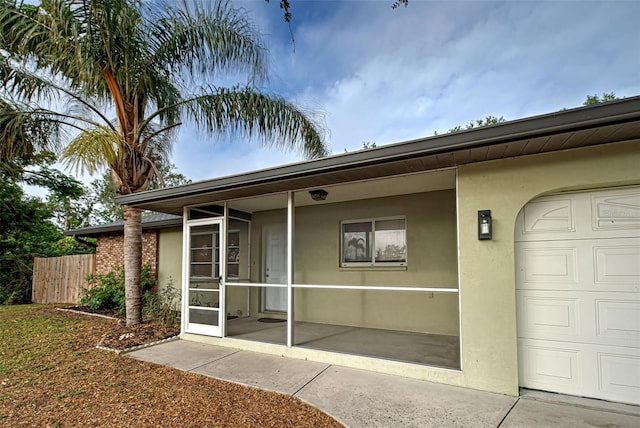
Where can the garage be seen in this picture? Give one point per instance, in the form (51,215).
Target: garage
(578,294)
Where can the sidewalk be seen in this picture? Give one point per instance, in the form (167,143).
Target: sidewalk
(360,398)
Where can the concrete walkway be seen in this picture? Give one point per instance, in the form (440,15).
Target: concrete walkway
(359,398)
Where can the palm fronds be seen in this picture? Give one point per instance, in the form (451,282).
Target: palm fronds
(205,38)
(89,61)
(246,112)
(93,149)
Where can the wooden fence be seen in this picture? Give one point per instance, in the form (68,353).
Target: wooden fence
(61,279)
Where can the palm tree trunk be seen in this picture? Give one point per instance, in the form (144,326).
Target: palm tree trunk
(133,264)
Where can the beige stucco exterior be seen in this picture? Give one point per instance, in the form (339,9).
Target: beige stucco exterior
(443,251)
(487,269)
(431,262)
(170,259)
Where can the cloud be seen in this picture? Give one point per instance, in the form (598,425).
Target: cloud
(386,78)
(391,75)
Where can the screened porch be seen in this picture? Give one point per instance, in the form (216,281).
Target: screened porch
(370,269)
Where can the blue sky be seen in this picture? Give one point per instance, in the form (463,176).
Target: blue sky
(385,76)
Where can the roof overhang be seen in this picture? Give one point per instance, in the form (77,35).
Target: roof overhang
(567,129)
(152,222)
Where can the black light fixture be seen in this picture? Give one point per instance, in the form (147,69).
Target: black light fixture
(484,225)
(318,194)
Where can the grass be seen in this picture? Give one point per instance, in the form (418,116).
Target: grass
(51,374)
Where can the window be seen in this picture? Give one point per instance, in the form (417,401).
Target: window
(376,242)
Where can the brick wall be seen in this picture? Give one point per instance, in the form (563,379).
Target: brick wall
(110,252)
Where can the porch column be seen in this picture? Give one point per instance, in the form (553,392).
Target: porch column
(184,295)
(290,265)
(222,294)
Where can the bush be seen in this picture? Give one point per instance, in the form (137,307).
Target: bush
(26,231)
(15,280)
(106,291)
(162,307)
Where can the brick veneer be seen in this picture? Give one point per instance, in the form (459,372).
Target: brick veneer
(110,252)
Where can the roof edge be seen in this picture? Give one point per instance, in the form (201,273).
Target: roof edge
(620,111)
(115,227)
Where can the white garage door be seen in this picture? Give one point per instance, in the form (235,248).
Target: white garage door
(578,294)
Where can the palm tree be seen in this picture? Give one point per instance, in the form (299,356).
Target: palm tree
(69,67)
(23,143)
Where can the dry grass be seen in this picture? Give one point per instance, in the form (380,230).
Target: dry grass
(51,374)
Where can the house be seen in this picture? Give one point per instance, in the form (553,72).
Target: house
(497,258)
(157,228)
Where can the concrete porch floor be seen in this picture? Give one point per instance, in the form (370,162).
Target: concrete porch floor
(429,349)
(359,398)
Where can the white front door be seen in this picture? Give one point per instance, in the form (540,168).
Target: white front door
(203,302)
(577,289)
(275,266)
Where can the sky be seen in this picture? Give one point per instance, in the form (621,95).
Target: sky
(383,75)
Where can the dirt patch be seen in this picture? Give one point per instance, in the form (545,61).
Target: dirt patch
(51,374)
(122,337)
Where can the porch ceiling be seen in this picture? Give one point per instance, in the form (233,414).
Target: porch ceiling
(352,191)
(601,124)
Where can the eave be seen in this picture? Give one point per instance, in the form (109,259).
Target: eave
(567,129)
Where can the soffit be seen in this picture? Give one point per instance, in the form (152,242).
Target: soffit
(352,191)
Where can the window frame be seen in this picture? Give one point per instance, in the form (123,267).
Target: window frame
(372,263)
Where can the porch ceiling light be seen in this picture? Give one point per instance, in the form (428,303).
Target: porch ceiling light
(318,194)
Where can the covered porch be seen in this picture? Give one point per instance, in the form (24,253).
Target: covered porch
(369,269)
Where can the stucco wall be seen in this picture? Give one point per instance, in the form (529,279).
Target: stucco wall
(431,262)
(170,259)
(487,269)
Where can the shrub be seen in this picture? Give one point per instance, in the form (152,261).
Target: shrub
(106,291)
(162,307)
(15,280)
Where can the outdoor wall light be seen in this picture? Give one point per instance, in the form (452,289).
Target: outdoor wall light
(484,225)
(318,194)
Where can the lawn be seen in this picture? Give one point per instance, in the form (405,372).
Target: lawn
(51,374)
